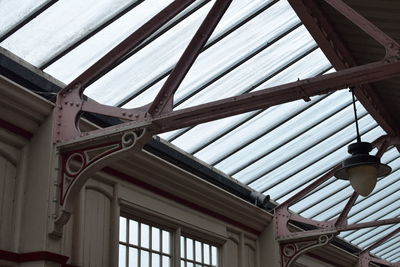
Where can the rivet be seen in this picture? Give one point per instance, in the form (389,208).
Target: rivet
(77,104)
(124,114)
(66,102)
(130,115)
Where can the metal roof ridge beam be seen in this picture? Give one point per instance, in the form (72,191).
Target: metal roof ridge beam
(164,99)
(391,46)
(251,116)
(330,43)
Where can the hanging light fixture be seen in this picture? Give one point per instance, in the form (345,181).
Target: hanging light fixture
(361,168)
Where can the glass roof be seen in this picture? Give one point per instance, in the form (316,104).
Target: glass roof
(258,44)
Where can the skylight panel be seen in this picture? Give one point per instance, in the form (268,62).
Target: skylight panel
(58,26)
(75,62)
(13,12)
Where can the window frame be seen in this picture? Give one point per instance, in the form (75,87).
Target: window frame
(177,229)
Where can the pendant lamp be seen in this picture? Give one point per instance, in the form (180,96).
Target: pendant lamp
(361,168)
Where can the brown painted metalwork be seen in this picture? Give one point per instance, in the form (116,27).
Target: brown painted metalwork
(159,116)
(163,102)
(324,230)
(330,43)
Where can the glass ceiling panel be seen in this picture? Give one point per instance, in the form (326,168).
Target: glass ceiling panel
(380,193)
(387,246)
(328,189)
(309,66)
(277,151)
(285,133)
(235,48)
(148,63)
(165,51)
(58,26)
(75,62)
(317,140)
(247,75)
(376,233)
(13,12)
(271,118)
(298,163)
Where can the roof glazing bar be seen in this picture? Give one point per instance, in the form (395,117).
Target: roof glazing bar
(392,254)
(333,150)
(89,35)
(102,65)
(207,46)
(361,237)
(365,217)
(163,102)
(244,60)
(364,199)
(28,19)
(316,142)
(259,111)
(166,27)
(386,246)
(185,130)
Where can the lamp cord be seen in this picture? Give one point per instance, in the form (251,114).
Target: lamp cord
(355,116)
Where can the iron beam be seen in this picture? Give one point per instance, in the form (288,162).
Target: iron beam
(368,224)
(311,187)
(278,95)
(163,100)
(330,43)
(392,47)
(342,219)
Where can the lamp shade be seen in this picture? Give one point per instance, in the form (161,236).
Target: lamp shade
(362,169)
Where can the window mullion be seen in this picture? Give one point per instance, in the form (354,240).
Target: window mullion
(177,247)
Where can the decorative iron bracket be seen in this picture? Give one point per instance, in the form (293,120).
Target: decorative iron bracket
(290,251)
(82,157)
(294,244)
